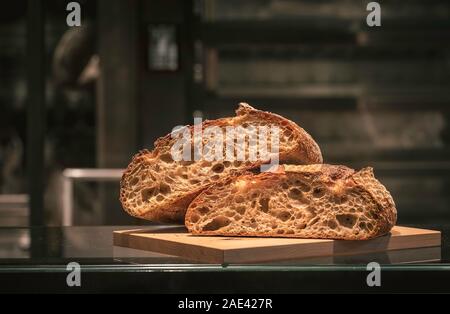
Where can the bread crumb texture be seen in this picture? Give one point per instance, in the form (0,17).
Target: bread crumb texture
(158,188)
(313,201)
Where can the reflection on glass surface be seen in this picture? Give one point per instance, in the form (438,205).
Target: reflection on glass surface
(92,245)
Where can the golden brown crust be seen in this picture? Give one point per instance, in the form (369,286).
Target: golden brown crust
(349,205)
(146,174)
(306,148)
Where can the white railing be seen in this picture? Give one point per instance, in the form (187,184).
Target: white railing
(79,174)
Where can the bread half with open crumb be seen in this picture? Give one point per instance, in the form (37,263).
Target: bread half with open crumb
(157,188)
(315,201)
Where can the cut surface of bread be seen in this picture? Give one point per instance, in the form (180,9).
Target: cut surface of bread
(156,187)
(314,201)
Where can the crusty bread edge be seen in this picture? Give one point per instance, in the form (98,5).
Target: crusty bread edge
(306,147)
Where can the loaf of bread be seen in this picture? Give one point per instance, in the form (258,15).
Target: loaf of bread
(314,201)
(158,188)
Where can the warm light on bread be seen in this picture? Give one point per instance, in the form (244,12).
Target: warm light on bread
(315,201)
(158,188)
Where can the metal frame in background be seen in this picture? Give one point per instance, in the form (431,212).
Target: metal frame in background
(82,174)
(35,59)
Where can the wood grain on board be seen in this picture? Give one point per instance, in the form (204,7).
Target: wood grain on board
(217,249)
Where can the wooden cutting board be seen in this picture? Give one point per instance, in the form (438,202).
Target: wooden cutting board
(224,250)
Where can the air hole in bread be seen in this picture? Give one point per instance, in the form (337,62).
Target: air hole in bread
(239,199)
(241,210)
(304,187)
(194,218)
(146,194)
(363,225)
(226,164)
(318,192)
(194,181)
(164,188)
(283,215)
(217,223)
(159,198)
(203,210)
(264,204)
(285,186)
(167,158)
(295,194)
(332,224)
(373,214)
(134,181)
(342,199)
(218,168)
(346,220)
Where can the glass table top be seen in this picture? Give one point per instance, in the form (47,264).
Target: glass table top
(52,248)
(34,260)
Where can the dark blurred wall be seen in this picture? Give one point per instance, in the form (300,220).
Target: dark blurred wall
(118,85)
(164,95)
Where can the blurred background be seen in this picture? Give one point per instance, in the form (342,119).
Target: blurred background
(76,102)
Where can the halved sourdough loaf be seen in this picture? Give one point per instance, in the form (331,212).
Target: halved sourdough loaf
(315,201)
(157,188)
